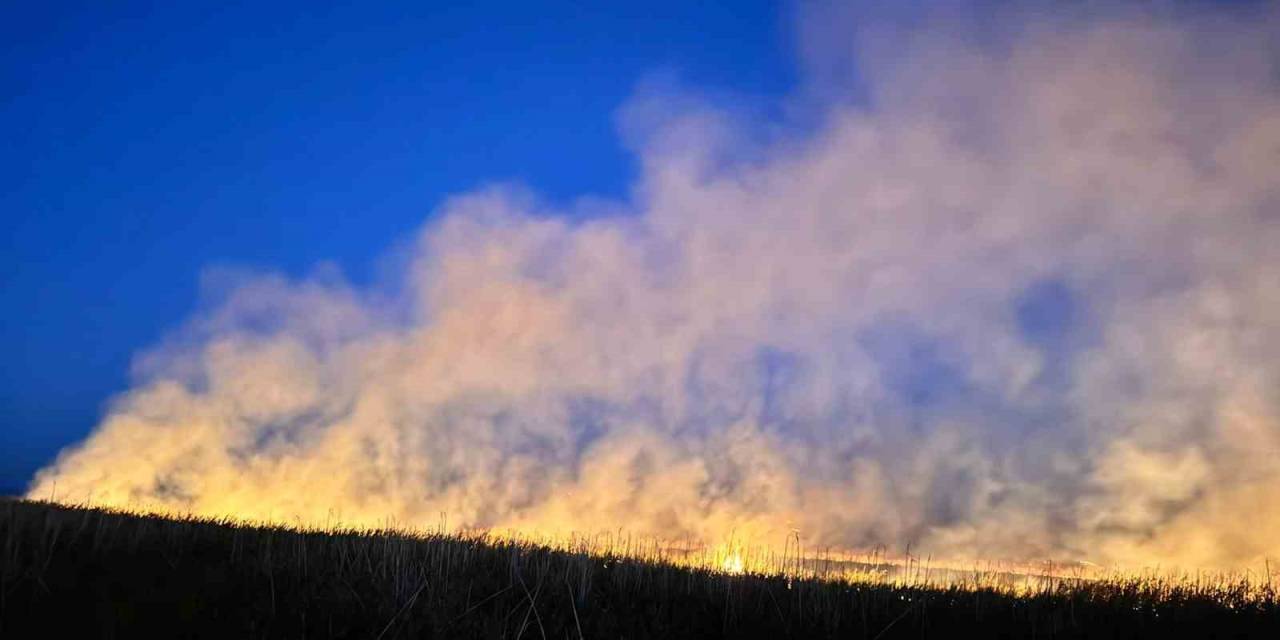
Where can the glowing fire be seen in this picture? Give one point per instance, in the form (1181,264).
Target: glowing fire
(732,563)
(728,558)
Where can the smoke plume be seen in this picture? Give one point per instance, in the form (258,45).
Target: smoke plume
(1007,292)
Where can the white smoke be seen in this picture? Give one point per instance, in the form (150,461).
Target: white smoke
(1013,295)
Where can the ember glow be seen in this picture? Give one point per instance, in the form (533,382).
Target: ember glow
(1019,302)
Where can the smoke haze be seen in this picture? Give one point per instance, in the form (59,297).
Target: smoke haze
(1011,295)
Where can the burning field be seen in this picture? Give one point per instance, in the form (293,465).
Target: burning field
(1017,307)
(90,573)
(1003,305)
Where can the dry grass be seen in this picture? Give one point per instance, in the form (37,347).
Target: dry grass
(97,573)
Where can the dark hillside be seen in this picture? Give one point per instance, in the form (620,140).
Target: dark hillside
(69,572)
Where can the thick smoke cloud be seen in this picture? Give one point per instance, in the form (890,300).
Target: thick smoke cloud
(1009,295)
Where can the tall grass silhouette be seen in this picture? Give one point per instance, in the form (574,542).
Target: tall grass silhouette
(101,573)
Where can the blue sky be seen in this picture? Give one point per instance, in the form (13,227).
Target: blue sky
(145,142)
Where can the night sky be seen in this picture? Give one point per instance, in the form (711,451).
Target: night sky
(146,143)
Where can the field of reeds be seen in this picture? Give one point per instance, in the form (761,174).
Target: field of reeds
(77,572)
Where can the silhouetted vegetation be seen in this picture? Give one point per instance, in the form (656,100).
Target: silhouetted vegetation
(72,572)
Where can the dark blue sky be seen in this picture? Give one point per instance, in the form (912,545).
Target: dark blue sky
(144,142)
